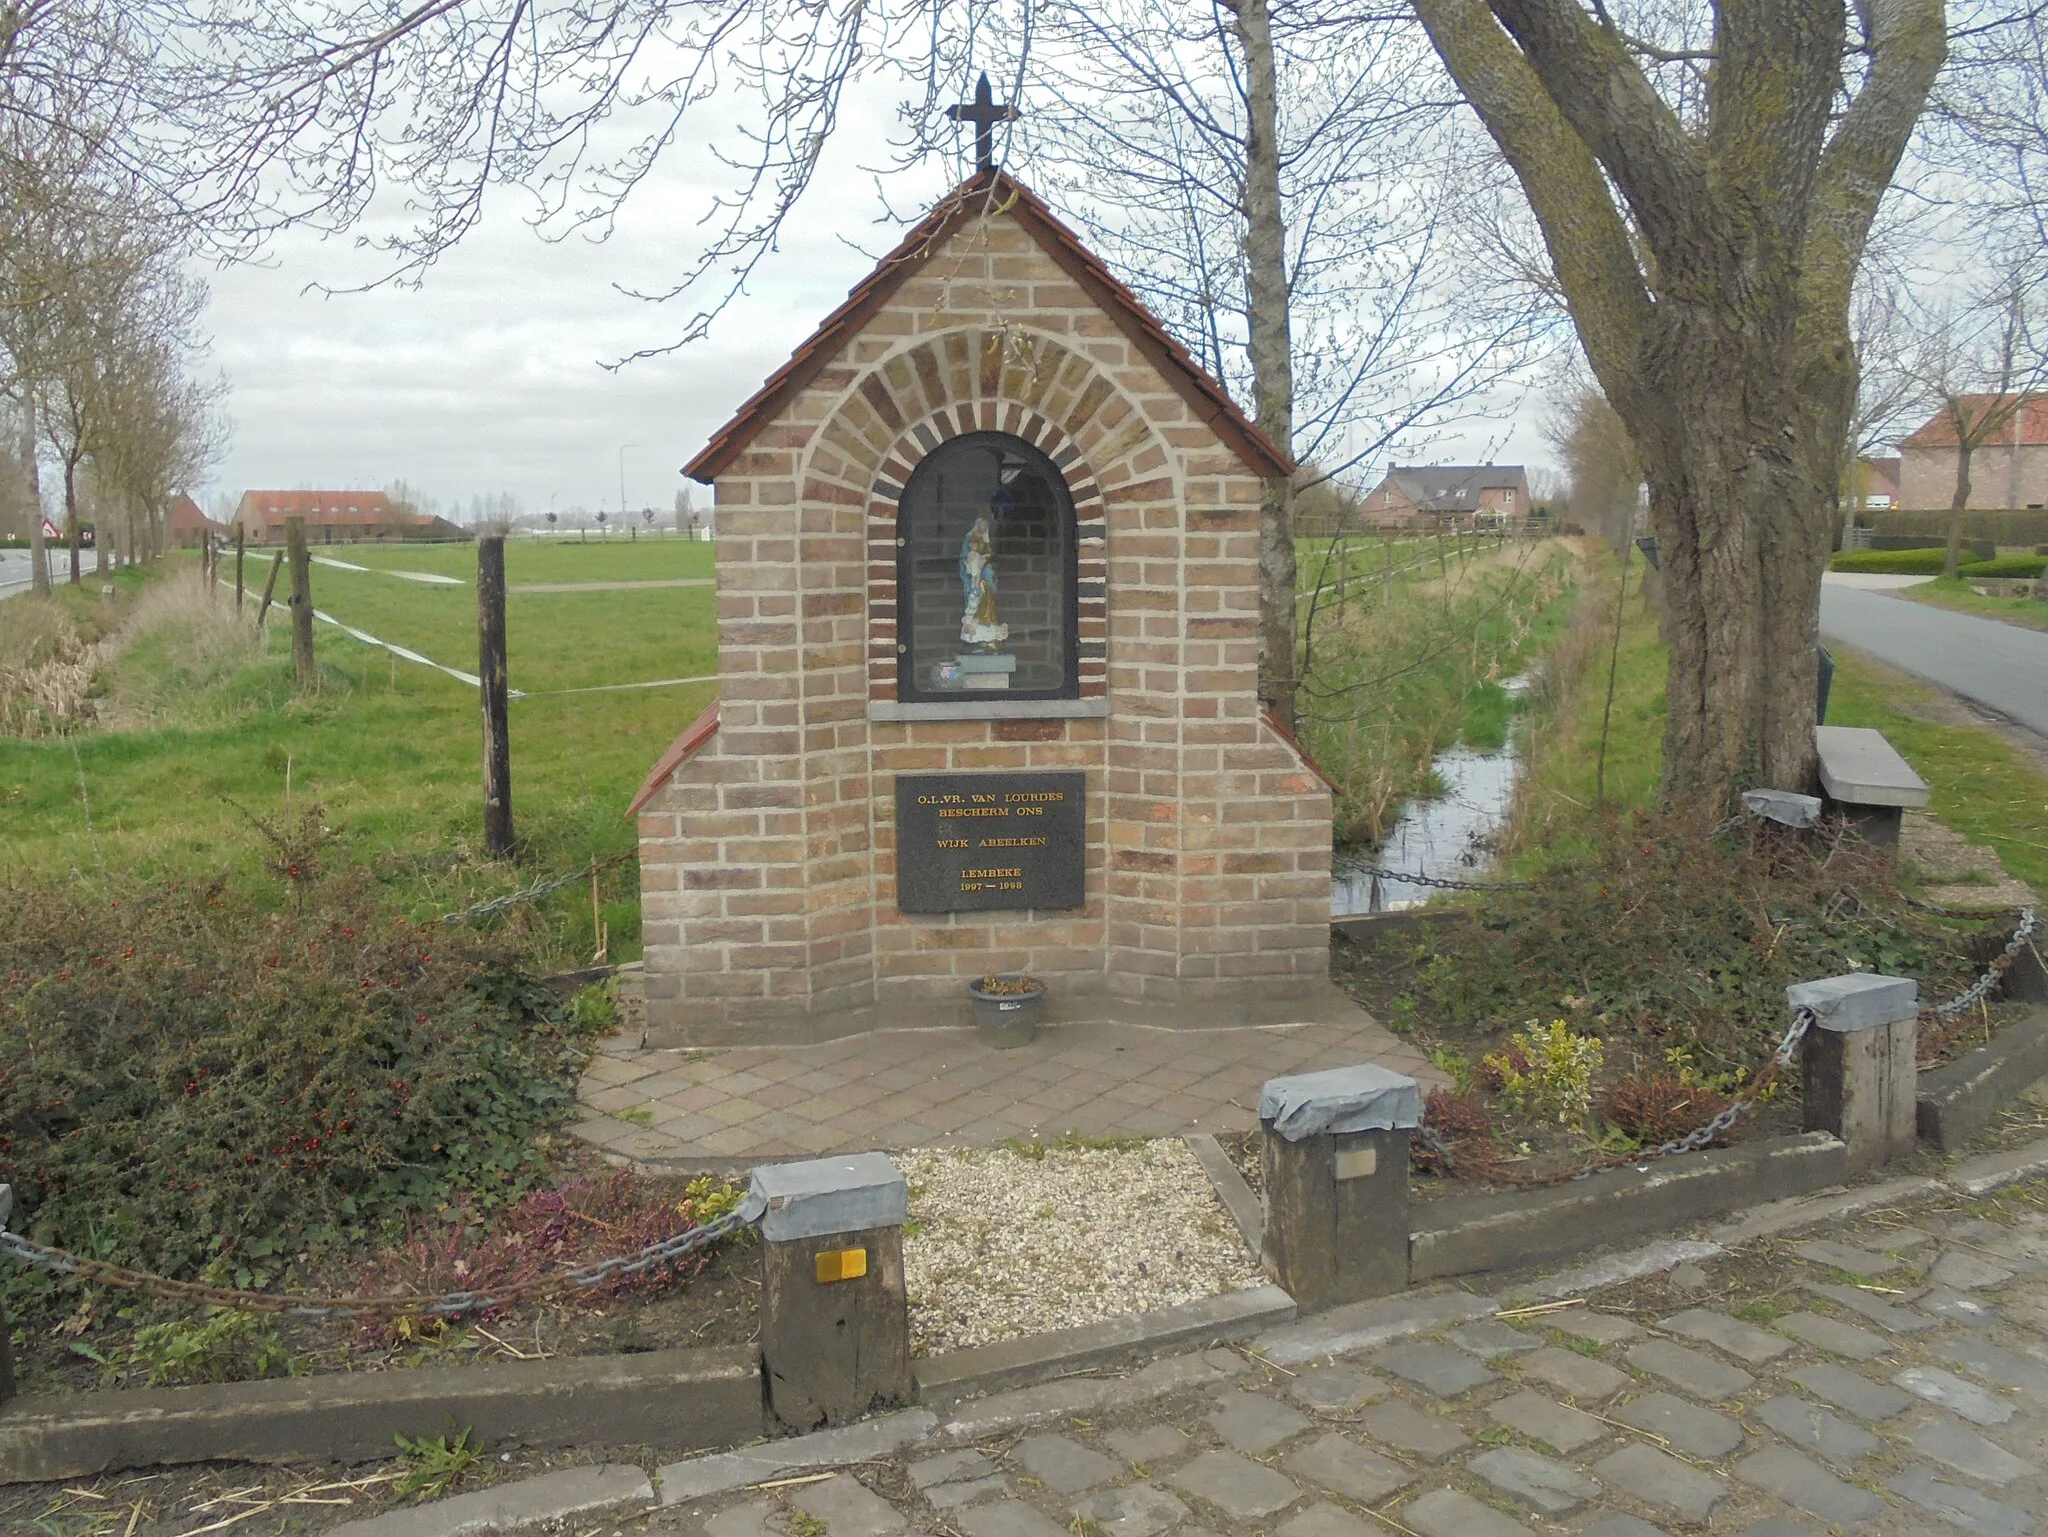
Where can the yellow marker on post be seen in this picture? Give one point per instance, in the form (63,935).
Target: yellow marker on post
(841,1265)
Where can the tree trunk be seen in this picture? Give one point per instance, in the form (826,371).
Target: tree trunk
(38,547)
(1959,502)
(71,514)
(1744,511)
(1271,346)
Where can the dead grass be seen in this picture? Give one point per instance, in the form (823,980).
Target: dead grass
(177,642)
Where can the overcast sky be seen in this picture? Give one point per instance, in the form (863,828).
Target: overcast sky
(488,378)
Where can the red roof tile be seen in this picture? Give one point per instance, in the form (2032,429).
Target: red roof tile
(1939,431)
(694,736)
(336,507)
(995,191)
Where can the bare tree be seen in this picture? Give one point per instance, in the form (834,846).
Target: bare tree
(1274,178)
(1600,460)
(1705,195)
(1978,362)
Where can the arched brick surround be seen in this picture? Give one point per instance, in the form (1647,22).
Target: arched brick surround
(1042,377)
(768,859)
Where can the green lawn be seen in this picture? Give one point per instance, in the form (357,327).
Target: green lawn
(392,750)
(1982,786)
(1953,592)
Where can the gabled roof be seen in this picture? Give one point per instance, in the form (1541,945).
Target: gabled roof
(1939,430)
(994,191)
(692,737)
(337,507)
(185,514)
(1453,487)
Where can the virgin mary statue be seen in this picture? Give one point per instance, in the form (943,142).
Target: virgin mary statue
(978,623)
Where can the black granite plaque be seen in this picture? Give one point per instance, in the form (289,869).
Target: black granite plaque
(966,842)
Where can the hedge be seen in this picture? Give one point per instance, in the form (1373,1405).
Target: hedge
(1892,562)
(2005,566)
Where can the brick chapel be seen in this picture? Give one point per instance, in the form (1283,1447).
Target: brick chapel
(987,575)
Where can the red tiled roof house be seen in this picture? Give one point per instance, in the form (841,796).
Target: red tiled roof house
(332,517)
(2008,468)
(186,526)
(987,550)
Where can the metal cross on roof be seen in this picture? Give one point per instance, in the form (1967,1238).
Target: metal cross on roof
(984,114)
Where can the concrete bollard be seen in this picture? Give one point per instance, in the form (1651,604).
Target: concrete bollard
(835,1321)
(1335,1160)
(1858,1063)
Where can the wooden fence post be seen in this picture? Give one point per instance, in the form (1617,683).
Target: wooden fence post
(302,602)
(269,587)
(240,536)
(492,686)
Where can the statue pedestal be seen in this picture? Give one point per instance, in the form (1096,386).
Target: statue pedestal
(976,670)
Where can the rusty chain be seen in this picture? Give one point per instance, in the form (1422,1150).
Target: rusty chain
(1979,990)
(446,1305)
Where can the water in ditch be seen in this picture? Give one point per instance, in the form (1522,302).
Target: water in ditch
(1449,836)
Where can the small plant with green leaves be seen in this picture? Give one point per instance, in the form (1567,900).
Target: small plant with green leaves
(803,1524)
(435,1466)
(226,1346)
(595,1009)
(1547,1072)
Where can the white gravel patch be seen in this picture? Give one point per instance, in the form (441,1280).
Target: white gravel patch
(1003,1243)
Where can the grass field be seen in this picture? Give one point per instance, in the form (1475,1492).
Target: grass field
(390,749)
(1952,592)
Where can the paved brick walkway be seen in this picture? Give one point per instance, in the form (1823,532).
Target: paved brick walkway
(1890,1378)
(925,1088)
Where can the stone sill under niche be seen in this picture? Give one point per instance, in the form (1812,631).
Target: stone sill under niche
(989,709)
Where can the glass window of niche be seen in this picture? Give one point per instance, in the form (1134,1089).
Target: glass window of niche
(985,574)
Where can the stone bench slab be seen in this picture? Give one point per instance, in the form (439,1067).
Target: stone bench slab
(1858,767)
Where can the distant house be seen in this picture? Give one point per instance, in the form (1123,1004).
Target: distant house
(1877,482)
(1451,495)
(336,517)
(2008,469)
(188,527)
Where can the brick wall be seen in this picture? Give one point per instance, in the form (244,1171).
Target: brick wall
(2000,476)
(768,860)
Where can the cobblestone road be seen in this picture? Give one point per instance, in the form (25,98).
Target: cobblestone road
(1888,1378)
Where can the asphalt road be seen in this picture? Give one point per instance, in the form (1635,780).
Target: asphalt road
(2000,666)
(14,572)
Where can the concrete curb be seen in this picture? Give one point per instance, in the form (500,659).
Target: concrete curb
(1231,1189)
(701,1477)
(1476,1234)
(1956,1102)
(685,1398)
(508,1507)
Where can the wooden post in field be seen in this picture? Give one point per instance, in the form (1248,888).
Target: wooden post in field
(269,587)
(302,601)
(490,671)
(240,535)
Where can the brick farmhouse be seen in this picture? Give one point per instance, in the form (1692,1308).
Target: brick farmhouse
(768,847)
(1450,496)
(336,517)
(2007,470)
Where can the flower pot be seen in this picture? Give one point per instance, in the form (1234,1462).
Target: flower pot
(1007,1019)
